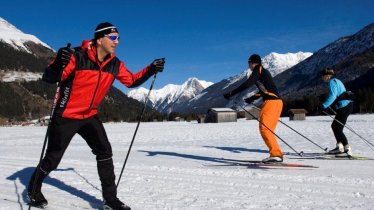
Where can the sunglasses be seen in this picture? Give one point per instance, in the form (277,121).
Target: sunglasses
(112,37)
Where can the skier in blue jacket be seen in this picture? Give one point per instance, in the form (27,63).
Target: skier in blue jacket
(343,108)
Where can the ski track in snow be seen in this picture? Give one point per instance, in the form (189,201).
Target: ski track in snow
(176,165)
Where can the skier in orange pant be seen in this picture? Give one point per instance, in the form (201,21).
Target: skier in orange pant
(271,108)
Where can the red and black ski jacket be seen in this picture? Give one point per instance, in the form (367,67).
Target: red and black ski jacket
(85,81)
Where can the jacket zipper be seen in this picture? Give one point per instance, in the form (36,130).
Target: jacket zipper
(94,95)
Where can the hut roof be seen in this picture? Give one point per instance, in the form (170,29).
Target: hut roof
(222,109)
(297,111)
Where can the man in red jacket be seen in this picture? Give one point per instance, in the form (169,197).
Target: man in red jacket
(86,74)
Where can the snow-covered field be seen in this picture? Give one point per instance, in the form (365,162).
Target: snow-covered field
(177,165)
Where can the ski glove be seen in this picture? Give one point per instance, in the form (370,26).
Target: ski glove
(252,98)
(227,95)
(158,65)
(321,109)
(63,58)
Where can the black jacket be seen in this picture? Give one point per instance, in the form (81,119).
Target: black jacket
(264,82)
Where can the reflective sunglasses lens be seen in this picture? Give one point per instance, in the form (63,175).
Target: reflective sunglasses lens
(113,38)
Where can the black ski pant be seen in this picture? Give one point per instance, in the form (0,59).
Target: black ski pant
(341,116)
(92,130)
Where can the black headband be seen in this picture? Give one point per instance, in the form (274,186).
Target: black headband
(101,32)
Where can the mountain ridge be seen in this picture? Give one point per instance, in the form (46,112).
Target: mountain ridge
(293,80)
(169,98)
(171,95)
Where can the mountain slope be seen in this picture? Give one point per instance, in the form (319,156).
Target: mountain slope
(277,63)
(355,71)
(17,39)
(212,96)
(23,56)
(171,96)
(295,80)
(351,57)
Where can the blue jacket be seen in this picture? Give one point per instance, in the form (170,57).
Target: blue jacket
(336,88)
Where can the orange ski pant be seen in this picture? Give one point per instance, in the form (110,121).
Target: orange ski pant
(269,116)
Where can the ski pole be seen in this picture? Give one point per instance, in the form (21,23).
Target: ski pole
(52,113)
(297,132)
(349,128)
(136,129)
(346,125)
(299,153)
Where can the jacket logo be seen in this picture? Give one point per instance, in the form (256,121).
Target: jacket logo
(65,98)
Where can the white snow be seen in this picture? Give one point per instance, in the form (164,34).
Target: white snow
(276,63)
(162,99)
(177,165)
(15,37)
(11,76)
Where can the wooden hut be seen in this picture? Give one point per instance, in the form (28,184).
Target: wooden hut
(178,119)
(217,115)
(254,111)
(201,118)
(297,114)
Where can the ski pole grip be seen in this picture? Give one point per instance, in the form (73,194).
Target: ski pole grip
(68,45)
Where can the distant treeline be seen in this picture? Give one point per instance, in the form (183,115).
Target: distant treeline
(10,103)
(12,59)
(21,101)
(363,103)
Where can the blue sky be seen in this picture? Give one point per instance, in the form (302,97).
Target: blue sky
(207,39)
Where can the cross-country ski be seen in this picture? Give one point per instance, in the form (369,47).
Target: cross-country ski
(259,163)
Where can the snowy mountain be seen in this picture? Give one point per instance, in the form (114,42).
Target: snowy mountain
(352,57)
(196,95)
(16,38)
(277,63)
(171,96)
(303,78)
(24,56)
(212,96)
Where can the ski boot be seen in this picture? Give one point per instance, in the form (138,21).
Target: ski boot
(115,204)
(272,159)
(37,200)
(338,149)
(347,152)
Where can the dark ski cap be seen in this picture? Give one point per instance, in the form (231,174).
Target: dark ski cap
(103,29)
(254,58)
(326,71)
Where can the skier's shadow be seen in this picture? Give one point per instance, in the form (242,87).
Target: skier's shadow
(188,156)
(238,149)
(24,176)
(221,161)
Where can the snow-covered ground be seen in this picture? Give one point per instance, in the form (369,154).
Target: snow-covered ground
(12,76)
(176,165)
